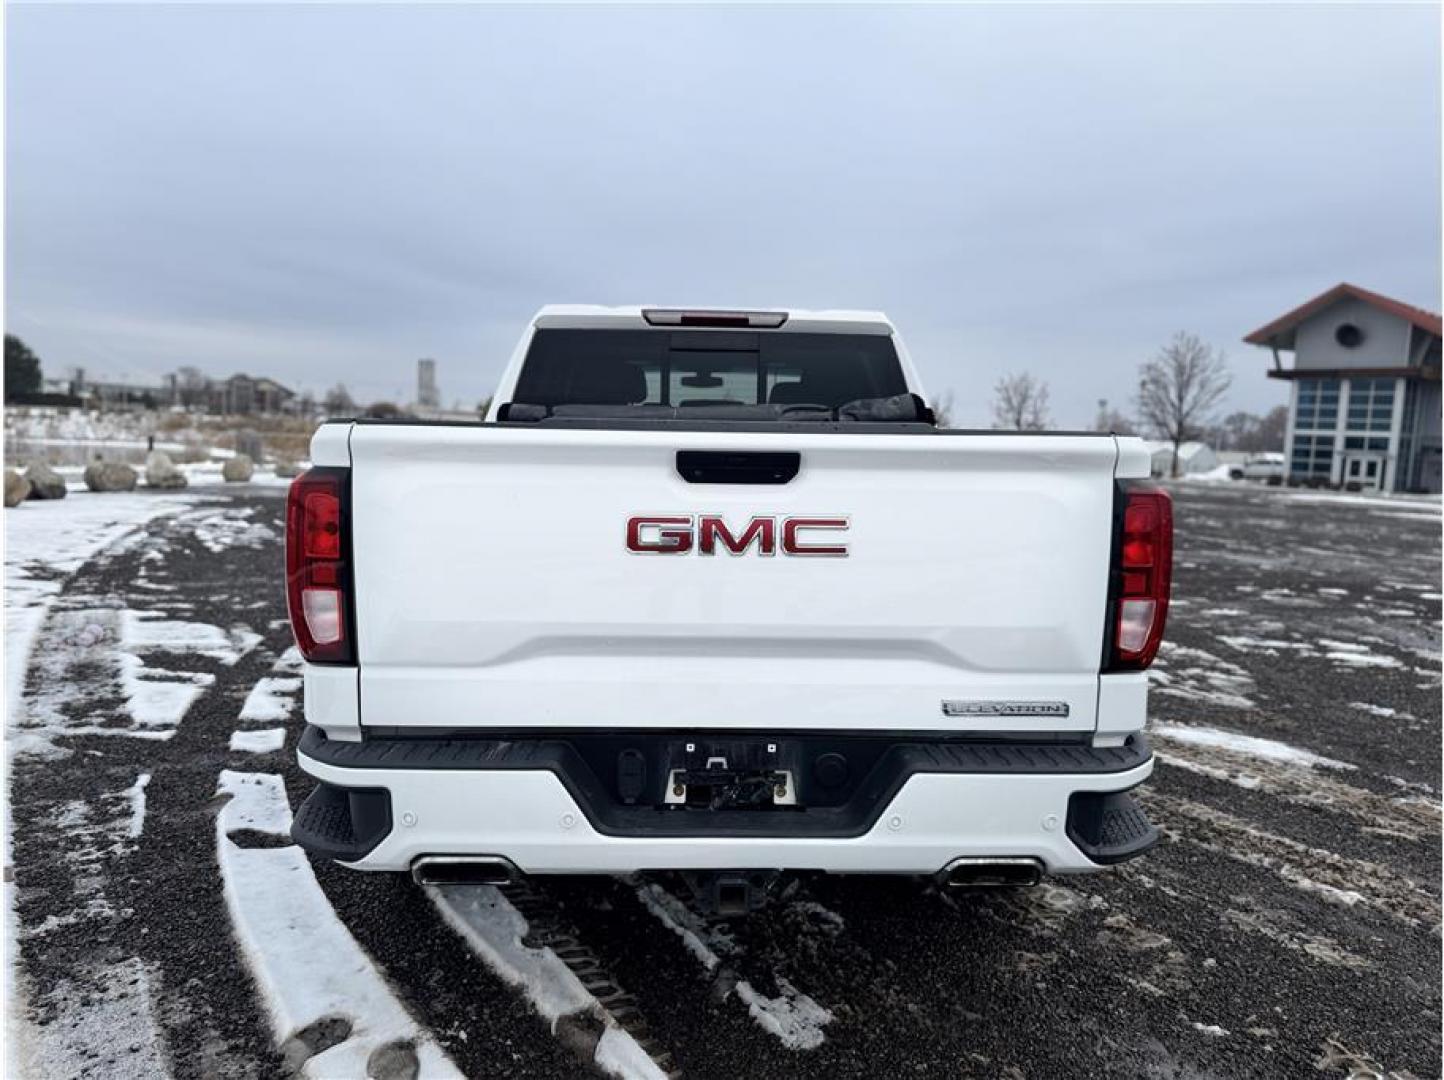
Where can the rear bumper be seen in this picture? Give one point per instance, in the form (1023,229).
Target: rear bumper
(382,804)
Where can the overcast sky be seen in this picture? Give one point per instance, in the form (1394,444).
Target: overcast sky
(324,194)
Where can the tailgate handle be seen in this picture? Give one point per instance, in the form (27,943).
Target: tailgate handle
(737,466)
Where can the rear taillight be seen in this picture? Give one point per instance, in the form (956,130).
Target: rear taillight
(1144,573)
(318,567)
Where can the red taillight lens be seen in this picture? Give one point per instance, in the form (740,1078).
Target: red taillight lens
(318,571)
(1145,573)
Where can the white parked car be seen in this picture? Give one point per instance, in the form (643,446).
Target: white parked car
(708,591)
(1267,465)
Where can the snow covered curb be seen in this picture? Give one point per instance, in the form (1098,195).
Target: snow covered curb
(332,1012)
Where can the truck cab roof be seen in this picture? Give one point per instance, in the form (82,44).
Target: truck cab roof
(642,316)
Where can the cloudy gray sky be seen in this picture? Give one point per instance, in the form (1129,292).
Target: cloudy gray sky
(326,193)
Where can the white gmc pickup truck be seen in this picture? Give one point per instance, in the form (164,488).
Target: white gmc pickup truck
(709,591)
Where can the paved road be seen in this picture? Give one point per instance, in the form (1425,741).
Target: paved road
(1288,926)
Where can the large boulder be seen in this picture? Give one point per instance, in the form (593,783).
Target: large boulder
(160,471)
(288,470)
(16,488)
(110,476)
(45,482)
(238,469)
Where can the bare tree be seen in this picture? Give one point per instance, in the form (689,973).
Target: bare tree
(943,409)
(338,401)
(1110,419)
(1179,388)
(1020,402)
(193,387)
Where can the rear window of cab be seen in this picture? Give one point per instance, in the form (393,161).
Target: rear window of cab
(681,368)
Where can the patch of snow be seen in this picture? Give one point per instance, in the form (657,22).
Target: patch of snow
(1244,780)
(618,1054)
(305,962)
(1253,644)
(130,733)
(1362,659)
(1210,1029)
(1248,745)
(147,630)
(266,741)
(1214,680)
(1331,893)
(495,930)
(1386,502)
(794,1017)
(1374,710)
(272,698)
(156,698)
(228,527)
(136,796)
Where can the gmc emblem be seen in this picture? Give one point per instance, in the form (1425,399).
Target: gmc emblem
(706,534)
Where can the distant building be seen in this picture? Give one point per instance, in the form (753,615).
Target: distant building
(127,391)
(1193,457)
(428,395)
(242,395)
(1364,398)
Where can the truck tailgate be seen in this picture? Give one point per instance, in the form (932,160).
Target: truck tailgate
(495,588)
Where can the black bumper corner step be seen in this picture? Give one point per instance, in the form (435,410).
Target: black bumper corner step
(342,823)
(1109,827)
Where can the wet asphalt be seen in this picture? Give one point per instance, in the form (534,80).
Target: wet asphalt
(1288,925)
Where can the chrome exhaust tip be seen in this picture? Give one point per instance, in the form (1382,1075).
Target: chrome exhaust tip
(980,873)
(463,870)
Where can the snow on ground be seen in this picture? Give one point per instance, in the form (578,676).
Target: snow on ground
(266,741)
(146,630)
(1383,711)
(1198,675)
(44,543)
(115,1035)
(1248,745)
(272,698)
(795,1018)
(495,931)
(1415,503)
(219,528)
(331,1010)
(135,794)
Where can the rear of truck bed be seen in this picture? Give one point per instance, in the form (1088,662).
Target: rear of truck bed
(609,645)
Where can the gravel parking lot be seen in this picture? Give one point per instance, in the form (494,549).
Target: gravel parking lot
(1287,926)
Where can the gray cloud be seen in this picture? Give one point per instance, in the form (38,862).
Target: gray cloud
(327,193)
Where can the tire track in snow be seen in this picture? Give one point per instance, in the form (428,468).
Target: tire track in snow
(332,1012)
(1304,780)
(87,1005)
(1333,877)
(794,1017)
(592,1026)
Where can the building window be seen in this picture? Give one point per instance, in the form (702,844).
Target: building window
(1313,455)
(1371,405)
(1358,442)
(1349,336)
(1318,405)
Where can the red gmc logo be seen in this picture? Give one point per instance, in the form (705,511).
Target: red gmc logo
(706,534)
